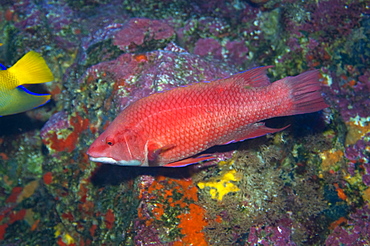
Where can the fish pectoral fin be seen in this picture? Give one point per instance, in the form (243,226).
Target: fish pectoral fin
(191,160)
(20,100)
(31,69)
(154,150)
(258,130)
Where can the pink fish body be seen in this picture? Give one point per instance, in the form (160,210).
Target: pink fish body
(170,127)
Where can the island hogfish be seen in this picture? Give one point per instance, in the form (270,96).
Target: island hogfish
(171,127)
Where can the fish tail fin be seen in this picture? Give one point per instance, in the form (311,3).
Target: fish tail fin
(305,93)
(31,69)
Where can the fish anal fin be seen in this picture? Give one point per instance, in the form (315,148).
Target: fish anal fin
(191,160)
(255,77)
(31,69)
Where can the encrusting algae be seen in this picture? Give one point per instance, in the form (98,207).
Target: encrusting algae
(330,159)
(64,238)
(170,205)
(223,184)
(356,131)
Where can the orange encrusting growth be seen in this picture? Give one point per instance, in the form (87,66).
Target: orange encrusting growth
(48,178)
(340,192)
(3,230)
(337,223)
(192,225)
(109,219)
(14,195)
(55,142)
(366,194)
(356,131)
(330,158)
(140,58)
(175,199)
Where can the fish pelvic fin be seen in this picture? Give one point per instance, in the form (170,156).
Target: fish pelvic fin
(20,100)
(305,93)
(31,69)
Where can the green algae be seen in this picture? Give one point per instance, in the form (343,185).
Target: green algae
(270,187)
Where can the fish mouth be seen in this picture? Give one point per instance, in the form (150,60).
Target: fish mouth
(109,160)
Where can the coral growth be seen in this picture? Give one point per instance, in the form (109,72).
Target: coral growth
(141,31)
(265,193)
(356,230)
(307,185)
(223,184)
(165,200)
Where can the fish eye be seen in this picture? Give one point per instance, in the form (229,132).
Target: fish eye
(109,141)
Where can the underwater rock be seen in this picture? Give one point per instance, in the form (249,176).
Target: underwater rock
(104,57)
(142,34)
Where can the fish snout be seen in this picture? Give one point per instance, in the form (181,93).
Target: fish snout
(96,155)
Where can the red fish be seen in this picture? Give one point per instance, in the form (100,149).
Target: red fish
(171,127)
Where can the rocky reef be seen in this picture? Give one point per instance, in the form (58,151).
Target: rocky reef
(309,184)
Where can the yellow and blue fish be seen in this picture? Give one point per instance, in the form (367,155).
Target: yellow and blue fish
(14,97)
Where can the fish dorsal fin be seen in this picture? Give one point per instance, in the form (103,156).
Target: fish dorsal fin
(255,77)
(31,69)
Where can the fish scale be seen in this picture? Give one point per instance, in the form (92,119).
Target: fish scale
(170,127)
